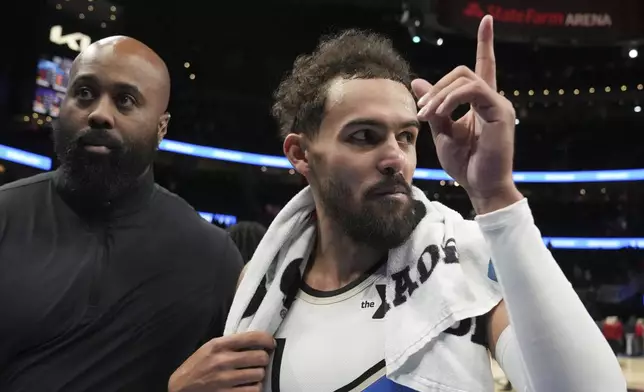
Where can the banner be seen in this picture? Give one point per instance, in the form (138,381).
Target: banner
(591,22)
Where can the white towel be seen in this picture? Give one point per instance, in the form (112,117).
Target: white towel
(445,261)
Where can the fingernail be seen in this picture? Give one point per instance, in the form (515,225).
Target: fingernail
(423,111)
(423,100)
(439,109)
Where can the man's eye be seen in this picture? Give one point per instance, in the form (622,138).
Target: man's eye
(363,136)
(84,93)
(407,136)
(360,135)
(126,101)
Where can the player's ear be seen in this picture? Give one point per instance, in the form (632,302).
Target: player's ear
(295,148)
(162,127)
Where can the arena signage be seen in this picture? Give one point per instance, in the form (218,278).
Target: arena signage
(532,16)
(74,41)
(570,21)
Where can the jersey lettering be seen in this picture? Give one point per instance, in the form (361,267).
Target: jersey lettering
(384,306)
(479,330)
(405,285)
(434,256)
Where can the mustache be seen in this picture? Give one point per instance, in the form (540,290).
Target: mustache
(396,183)
(98,137)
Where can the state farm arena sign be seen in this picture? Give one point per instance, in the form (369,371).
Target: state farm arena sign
(556,21)
(535,17)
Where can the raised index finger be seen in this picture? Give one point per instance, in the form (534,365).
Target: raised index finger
(485,59)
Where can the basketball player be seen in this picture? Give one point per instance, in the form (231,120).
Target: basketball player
(107,281)
(350,126)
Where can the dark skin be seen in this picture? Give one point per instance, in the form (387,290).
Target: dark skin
(121,85)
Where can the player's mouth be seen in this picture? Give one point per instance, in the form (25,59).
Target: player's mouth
(97,149)
(398,192)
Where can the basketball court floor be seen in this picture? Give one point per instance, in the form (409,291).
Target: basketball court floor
(633,369)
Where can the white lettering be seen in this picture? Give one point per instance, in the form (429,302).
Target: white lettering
(589,20)
(74,41)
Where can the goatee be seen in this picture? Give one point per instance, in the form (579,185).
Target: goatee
(379,222)
(101,176)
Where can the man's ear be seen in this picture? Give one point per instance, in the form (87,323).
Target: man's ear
(295,148)
(162,127)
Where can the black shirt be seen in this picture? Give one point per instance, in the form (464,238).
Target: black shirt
(106,298)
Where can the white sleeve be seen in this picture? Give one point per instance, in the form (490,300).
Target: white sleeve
(559,344)
(508,356)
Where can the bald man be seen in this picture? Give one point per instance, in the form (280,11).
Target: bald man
(108,282)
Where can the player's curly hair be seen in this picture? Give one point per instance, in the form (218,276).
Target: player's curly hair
(351,54)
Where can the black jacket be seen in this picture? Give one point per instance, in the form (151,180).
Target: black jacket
(110,297)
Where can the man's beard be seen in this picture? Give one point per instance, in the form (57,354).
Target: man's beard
(378,222)
(101,176)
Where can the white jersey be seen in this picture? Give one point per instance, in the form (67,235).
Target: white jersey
(334,341)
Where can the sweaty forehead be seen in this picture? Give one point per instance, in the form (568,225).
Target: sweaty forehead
(369,98)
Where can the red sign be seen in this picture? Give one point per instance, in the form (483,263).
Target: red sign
(583,21)
(532,16)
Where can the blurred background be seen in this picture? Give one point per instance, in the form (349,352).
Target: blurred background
(571,68)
